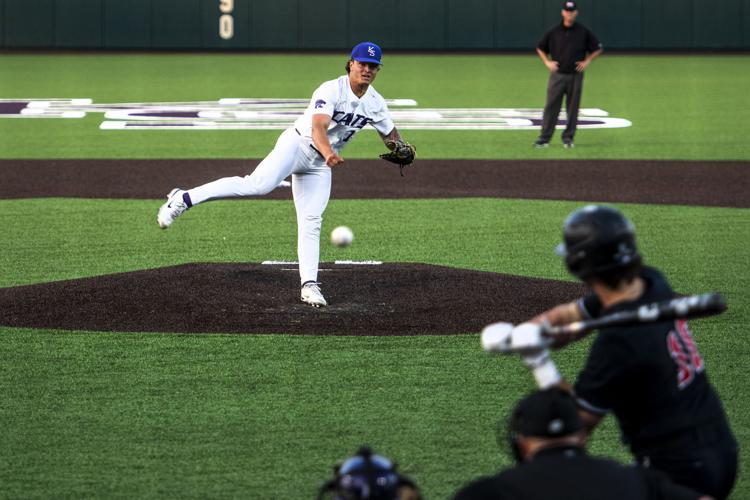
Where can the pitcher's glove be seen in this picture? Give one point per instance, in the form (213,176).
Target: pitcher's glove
(401,153)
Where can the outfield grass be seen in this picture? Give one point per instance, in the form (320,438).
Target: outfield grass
(681,107)
(107,415)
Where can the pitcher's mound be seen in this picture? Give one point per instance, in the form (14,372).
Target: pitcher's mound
(387,299)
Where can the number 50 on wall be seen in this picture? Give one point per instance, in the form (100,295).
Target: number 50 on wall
(226,21)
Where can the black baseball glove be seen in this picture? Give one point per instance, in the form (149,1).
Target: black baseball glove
(401,153)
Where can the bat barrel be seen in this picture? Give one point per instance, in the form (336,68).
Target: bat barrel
(694,306)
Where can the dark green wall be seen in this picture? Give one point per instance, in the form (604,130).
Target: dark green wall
(274,25)
(621,21)
(126,24)
(337,24)
(78,23)
(2,22)
(29,23)
(380,25)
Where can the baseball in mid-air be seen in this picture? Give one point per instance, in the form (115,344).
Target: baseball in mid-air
(342,236)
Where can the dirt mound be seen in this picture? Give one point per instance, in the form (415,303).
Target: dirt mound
(387,299)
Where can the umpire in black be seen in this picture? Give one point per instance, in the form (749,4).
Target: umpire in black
(547,438)
(566,49)
(650,375)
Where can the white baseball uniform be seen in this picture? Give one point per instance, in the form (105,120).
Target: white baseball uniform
(295,154)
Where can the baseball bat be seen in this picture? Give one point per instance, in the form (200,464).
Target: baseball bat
(693,306)
(497,338)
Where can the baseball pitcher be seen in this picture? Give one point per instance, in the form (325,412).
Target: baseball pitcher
(308,150)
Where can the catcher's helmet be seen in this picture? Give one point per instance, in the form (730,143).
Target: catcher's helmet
(365,476)
(599,242)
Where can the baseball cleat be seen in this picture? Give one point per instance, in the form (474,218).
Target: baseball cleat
(312,295)
(173,208)
(539,144)
(568,144)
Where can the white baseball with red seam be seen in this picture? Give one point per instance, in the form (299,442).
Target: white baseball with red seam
(342,236)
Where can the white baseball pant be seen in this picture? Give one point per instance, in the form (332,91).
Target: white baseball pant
(311,188)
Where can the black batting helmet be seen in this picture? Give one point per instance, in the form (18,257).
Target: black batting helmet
(599,243)
(366,476)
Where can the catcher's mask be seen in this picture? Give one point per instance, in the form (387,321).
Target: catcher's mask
(551,413)
(365,476)
(599,243)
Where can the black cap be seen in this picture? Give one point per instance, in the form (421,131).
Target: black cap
(571,6)
(550,413)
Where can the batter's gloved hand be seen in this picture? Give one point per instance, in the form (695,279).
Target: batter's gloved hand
(401,153)
(527,338)
(543,368)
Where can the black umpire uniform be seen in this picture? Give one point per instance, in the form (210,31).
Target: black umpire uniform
(652,378)
(562,469)
(567,46)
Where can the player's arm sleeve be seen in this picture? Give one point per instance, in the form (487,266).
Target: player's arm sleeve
(323,100)
(606,368)
(590,306)
(592,43)
(382,121)
(543,44)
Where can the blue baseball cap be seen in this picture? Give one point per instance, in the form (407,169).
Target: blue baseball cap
(367,52)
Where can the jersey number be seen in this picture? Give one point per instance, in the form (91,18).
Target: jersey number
(684,352)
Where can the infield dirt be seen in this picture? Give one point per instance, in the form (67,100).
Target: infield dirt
(659,182)
(388,299)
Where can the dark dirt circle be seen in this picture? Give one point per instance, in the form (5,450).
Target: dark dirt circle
(387,299)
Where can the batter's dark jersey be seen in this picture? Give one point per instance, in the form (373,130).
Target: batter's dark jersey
(567,46)
(569,473)
(651,376)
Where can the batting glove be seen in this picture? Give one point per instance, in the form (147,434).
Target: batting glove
(527,338)
(543,368)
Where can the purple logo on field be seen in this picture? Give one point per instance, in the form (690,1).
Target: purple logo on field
(319,103)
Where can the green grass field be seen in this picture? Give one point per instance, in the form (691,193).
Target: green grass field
(106,415)
(682,107)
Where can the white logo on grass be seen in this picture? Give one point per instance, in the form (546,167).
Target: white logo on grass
(280,113)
